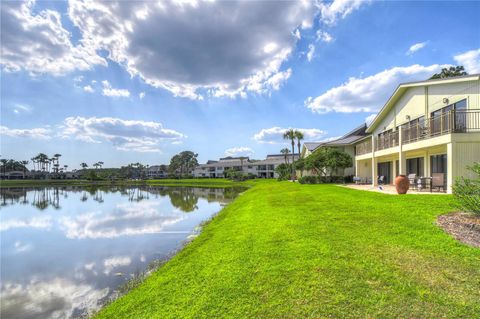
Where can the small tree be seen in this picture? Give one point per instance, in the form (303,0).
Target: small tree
(451,72)
(327,159)
(467,191)
(283,171)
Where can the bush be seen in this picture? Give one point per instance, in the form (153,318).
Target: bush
(467,191)
(322,179)
(284,172)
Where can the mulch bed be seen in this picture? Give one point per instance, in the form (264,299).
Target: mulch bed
(462,226)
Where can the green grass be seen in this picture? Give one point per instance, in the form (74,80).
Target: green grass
(284,250)
(210,183)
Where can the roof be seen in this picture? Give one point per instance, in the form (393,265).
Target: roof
(345,140)
(402,87)
(281,155)
(311,146)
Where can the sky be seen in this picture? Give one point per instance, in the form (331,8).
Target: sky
(141,81)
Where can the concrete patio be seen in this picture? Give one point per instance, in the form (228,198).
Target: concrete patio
(390,189)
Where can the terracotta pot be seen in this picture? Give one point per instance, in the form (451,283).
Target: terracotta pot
(402,184)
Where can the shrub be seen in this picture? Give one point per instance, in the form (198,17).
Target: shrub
(284,171)
(467,191)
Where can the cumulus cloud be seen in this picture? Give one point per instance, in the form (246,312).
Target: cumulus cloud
(38,43)
(177,46)
(127,135)
(55,298)
(417,46)
(126,220)
(88,88)
(109,91)
(311,52)
(118,261)
(470,60)
(338,9)
(370,93)
(37,133)
(369,119)
(274,135)
(141,95)
(43,222)
(324,36)
(239,151)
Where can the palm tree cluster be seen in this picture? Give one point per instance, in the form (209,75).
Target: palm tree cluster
(9,165)
(292,135)
(43,163)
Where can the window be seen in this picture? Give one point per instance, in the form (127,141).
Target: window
(438,163)
(415,166)
(442,118)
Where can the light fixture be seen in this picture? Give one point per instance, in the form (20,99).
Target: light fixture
(407,117)
(445,100)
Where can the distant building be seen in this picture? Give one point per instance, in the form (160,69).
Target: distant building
(156,171)
(261,169)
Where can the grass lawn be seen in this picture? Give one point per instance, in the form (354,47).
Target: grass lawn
(284,250)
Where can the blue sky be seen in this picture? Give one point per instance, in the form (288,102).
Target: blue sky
(140,82)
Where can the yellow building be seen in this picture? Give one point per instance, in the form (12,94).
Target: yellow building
(425,129)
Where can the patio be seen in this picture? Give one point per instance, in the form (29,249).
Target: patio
(390,189)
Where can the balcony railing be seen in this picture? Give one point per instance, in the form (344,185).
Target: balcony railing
(386,141)
(364,147)
(454,121)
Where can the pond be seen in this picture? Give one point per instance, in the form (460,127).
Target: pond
(67,250)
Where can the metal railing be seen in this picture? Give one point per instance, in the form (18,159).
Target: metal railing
(460,121)
(386,141)
(364,147)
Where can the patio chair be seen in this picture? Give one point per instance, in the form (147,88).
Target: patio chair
(357,180)
(381,180)
(412,178)
(438,181)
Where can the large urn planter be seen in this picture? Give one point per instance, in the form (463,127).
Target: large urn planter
(402,184)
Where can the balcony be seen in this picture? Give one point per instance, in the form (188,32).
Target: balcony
(454,121)
(386,141)
(364,147)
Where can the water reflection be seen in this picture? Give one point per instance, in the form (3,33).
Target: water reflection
(64,250)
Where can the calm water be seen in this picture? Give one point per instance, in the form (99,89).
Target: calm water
(66,250)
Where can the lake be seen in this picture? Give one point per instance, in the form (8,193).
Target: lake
(67,250)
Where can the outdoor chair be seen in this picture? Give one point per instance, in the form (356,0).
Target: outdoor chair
(411,179)
(438,181)
(357,180)
(381,180)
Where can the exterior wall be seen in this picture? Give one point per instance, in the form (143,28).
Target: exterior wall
(463,154)
(454,92)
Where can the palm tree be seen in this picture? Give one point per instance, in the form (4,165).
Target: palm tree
(24,163)
(299,136)
(290,135)
(285,152)
(56,157)
(83,165)
(100,164)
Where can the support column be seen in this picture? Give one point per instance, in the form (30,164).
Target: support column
(450,160)
(374,164)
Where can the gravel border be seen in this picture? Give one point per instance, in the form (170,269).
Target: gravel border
(462,226)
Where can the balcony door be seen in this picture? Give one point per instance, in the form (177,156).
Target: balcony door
(385,169)
(415,166)
(438,164)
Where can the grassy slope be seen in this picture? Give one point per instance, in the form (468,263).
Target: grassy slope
(283,250)
(160,182)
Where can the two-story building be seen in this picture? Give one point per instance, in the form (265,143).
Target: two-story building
(425,128)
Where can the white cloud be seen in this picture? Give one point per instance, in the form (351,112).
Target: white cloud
(141,95)
(311,52)
(470,60)
(19,109)
(38,43)
(368,94)
(111,263)
(37,133)
(22,247)
(109,91)
(417,46)
(338,9)
(239,151)
(43,222)
(127,135)
(159,43)
(55,298)
(369,119)
(88,88)
(274,135)
(324,36)
(126,220)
